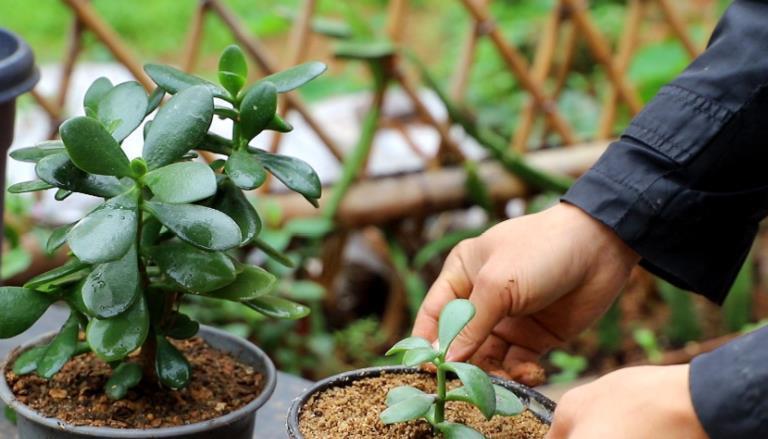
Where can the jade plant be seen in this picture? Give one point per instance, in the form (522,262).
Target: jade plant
(406,403)
(167,224)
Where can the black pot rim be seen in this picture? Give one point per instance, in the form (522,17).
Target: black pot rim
(18,73)
(269,387)
(541,406)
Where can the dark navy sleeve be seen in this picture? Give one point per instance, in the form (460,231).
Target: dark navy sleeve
(686,186)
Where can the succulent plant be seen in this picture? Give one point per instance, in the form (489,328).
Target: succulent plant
(166,223)
(406,403)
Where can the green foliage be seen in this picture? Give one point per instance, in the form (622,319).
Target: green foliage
(571,366)
(646,339)
(166,224)
(683,324)
(406,403)
(737,308)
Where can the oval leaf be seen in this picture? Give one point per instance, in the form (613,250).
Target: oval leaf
(179,126)
(58,170)
(92,149)
(233,70)
(415,357)
(114,338)
(294,173)
(477,386)
(200,226)
(95,93)
(507,403)
(174,80)
(155,99)
(402,393)
(29,186)
(57,274)
(108,232)
(257,109)
(172,368)
(231,201)
(111,288)
(27,361)
(19,309)
(182,327)
(60,350)
(408,409)
(125,376)
(244,170)
(453,318)
(34,154)
(451,430)
(122,109)
(296,76)
(278,308)
(251,283)
(183,182)
(197,271)
(409,343)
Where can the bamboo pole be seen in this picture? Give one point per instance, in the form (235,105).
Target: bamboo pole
(91,20)
(73,51)
(519,67)
(195,36)
(678,27)
(464,65)
(396,17)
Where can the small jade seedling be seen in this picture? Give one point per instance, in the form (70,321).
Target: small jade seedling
(407,403)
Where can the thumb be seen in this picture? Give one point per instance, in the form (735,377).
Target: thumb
(491,305)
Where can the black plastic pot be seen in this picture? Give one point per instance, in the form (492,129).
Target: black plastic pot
(541,406)
(238,424)
(18,75)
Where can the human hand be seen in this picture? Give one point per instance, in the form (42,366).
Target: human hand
(633,403)
(536,281)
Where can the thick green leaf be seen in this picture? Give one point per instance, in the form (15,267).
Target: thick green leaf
(408,409)
(95,93)
(244,170)
(58,273)
(124,376)
(27,361)
(155,99)
(174,80)
(257,109)
(294,173)
(197,271)
(182,327)
(111,288)
(33,154)
(30,186)
(114,338)
(123,109)
(61,194)
(507,403)
(200,226)
(477,386)
(183,182)
(296,76)
(451,430)
(215,143)
(92,149)
(233,70)
(20,308)
(454,317)
(179,126)
(415,357)
(278,308)
(409,343)
(108,232)
(402,393)
(278,124)
(58,170)
(60,350)
(251,283)
(231,201)
(172,368)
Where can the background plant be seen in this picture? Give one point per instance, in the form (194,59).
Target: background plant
(167,221)
(407,403)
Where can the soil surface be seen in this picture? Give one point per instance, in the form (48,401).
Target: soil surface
(353,411)
(219,385)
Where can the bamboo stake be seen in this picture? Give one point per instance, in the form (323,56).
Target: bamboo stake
(519,67)
(678,27)
(91,20)
(73,51)
(464,65)
(195,36)
(626,50)
(395,25)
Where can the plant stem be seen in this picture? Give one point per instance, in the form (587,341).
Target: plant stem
(440,401)
(149,347)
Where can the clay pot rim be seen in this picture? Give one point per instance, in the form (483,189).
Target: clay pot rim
(541,406)
(267,368)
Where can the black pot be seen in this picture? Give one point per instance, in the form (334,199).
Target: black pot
(238,424)
(541,406)
(18,75)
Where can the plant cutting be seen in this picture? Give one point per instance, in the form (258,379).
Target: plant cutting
(165,229)
(458,401)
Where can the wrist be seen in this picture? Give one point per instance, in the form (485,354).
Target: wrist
(674,383)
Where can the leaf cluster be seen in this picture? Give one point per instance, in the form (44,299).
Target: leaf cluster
(407,403)
(167,221)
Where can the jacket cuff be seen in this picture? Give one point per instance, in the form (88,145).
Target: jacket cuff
(728,388)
